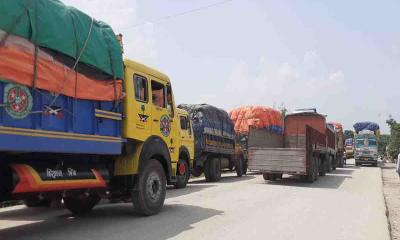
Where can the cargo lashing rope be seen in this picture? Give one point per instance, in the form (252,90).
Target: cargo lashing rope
(76,61)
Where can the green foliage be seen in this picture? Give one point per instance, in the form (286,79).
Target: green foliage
(384,141)
(394,144)
(348,134)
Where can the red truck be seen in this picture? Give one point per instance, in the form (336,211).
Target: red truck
(306,148)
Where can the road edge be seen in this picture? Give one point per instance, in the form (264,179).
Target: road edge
(390,181)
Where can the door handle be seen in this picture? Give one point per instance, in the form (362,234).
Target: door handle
(155,120)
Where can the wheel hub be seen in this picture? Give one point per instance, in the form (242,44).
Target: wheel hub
(153,186)
(182,169)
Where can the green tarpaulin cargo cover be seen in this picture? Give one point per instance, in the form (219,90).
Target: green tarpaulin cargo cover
(53,25)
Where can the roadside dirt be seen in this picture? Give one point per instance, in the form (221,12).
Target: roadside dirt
(391,190)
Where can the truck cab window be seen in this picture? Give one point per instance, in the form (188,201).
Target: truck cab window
(170,105)
(158,94)
(140,88)
(183,121)
(188,126)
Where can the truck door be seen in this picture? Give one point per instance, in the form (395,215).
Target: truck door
(163,115)
(186,133)
(141,105)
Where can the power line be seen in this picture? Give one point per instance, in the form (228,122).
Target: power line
(168,17)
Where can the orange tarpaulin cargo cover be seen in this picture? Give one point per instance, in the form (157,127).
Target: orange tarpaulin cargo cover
(256,116)
(338,126)
(17,65)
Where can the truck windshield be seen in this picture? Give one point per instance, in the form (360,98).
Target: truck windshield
(372,142)
(360,143)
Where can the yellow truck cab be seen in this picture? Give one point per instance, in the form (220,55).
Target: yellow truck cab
(186,139)
(159,147)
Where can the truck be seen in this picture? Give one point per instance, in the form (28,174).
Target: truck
(349,148)
(77,123)
(247,117)
(339,138)
(306,148)
(366,143)
(215,145)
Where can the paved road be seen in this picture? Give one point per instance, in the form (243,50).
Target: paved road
(347,204)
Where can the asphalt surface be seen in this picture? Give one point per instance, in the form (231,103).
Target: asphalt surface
(347,204)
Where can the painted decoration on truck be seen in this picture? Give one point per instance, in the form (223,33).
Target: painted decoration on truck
(165,125)
(17,101)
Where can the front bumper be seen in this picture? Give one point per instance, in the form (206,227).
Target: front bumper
(366,160)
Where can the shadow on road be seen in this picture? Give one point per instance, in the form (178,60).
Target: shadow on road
(107,222)
(332,180)
(224,179)
(190,188)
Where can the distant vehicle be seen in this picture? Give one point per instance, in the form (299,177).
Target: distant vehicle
(260,117)
(366,148)
(340,149)
(307,148)
(215,147)
(366,143)
(349,148)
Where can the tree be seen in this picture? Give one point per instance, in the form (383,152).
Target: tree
(394,143)
(384,141)
(348,134)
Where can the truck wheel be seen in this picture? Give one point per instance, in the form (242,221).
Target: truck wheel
(331,164)
(276,176)
(212,170)
(35,201)
(313,173)
(323,167)
(197,171)
(239,167)
(341,162)
(182,174)
(81,205)
(335,162)
(245,168)
(266,176)
(149,197)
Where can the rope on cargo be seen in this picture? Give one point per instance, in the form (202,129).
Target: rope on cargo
(15,24)
(76,61)
(35,56)
(116,101)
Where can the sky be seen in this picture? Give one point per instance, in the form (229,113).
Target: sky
(341,57)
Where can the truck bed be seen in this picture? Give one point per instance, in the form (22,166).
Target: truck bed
(57,124)
(291,154)
(287,160)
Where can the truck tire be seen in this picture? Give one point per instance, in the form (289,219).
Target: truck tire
(182,174)
(335,162)
(81,205)
(239,167)
(245,168)
(341,162)
(323,166)
(148,198)
(276,176)
(313,173)
(266,176)
(212,170)
(330,164)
